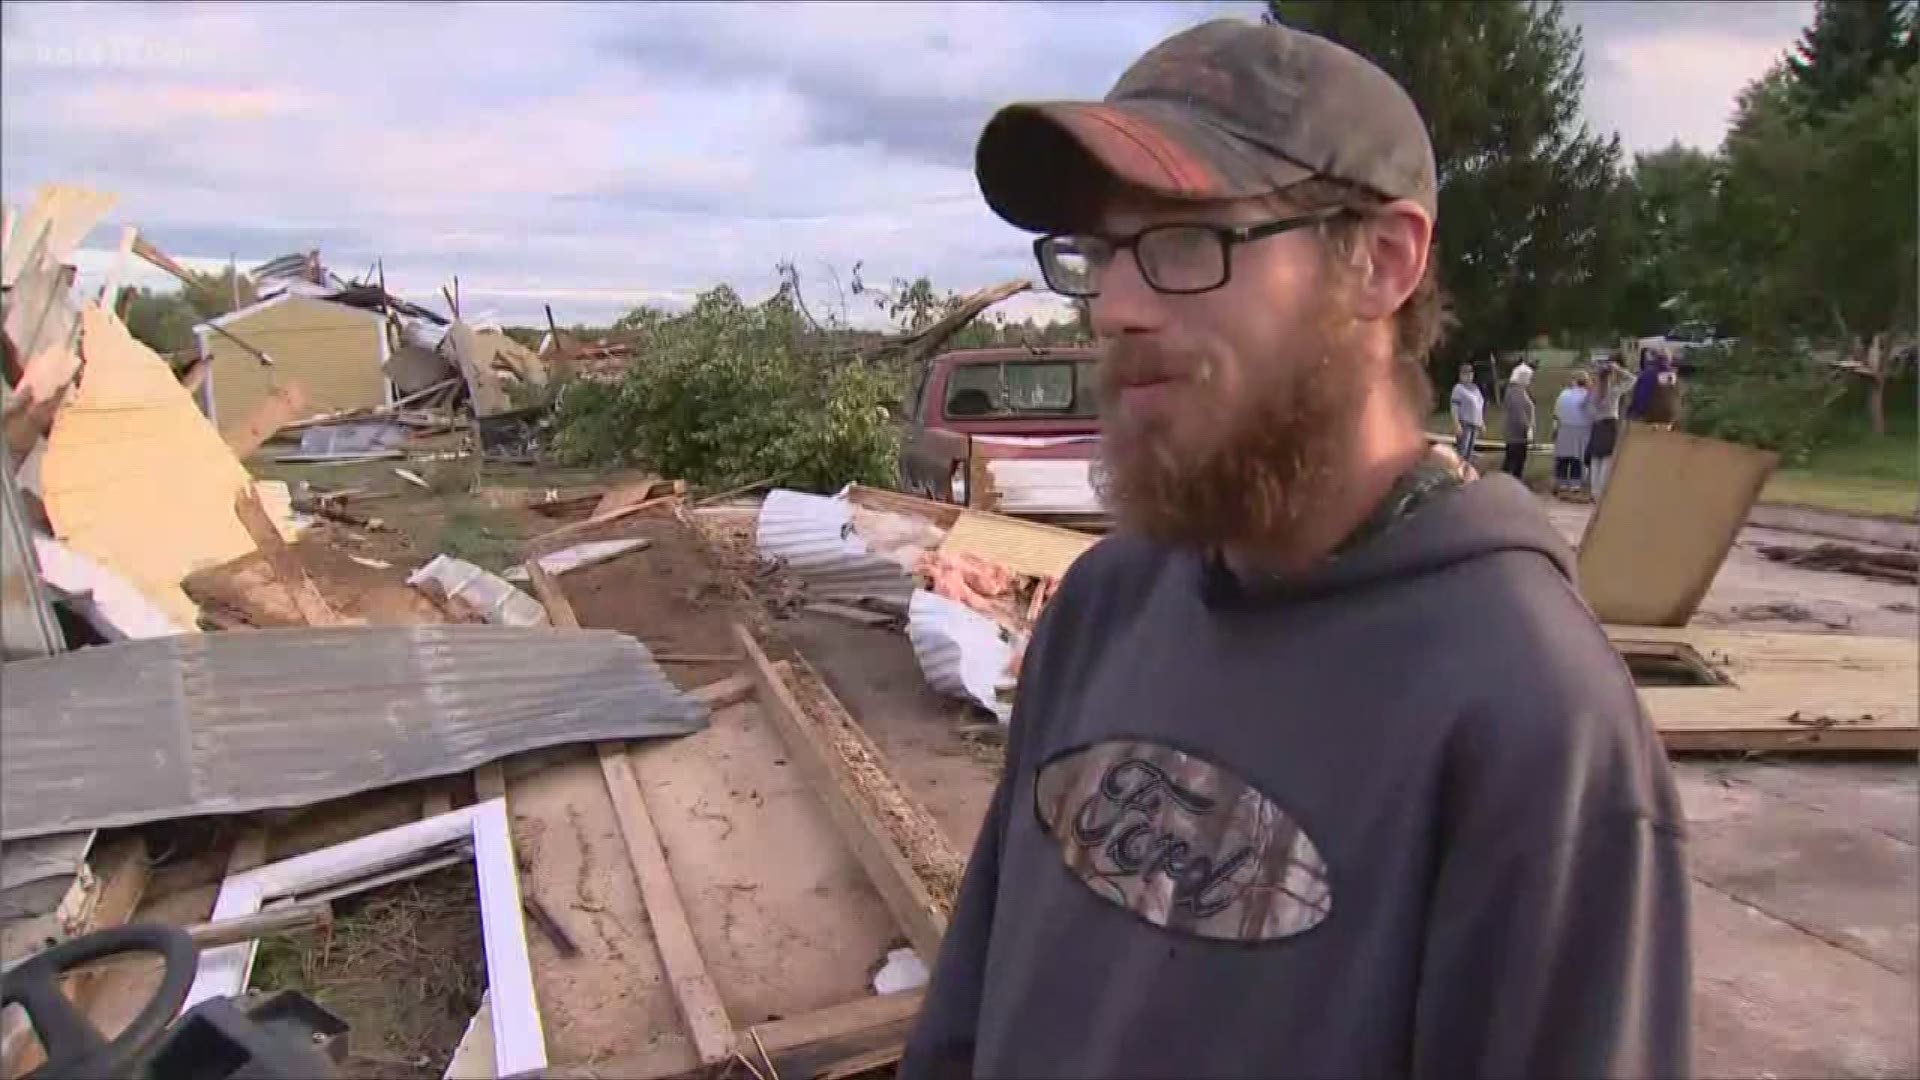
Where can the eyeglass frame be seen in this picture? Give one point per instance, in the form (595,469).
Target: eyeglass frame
(1229,236)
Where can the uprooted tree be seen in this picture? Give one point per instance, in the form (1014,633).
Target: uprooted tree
(731,393)
(726,393)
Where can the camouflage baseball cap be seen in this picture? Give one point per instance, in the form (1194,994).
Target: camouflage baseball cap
(1226,110)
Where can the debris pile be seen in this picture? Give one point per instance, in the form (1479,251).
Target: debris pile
(166,641)
(1901,567)
(971,584)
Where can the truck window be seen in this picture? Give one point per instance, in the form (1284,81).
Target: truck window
(1022,389)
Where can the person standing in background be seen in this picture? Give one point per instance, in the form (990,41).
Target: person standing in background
(1611,381)
(1518,370)
(1469,413)
(1572,426)
(1519,421)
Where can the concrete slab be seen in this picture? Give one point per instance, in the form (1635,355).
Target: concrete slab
(1769,1001)
(1877,794)
(1833,876)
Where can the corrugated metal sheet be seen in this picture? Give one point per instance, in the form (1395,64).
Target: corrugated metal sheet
(961,652)
(225,723)
(814,536)
(488,593)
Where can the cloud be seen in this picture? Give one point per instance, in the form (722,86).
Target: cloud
(597,156)
(1660,73)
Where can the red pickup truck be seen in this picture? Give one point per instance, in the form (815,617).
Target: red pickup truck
(1013,430)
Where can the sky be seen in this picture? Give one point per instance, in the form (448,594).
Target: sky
(601,156)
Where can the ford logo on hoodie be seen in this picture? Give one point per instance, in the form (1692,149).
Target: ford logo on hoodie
(1181,842)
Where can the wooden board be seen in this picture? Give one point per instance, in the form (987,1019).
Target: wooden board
(60,217)
(693,989)
(941,514)
(1672,508)
(782,912)
(869,1032)
(135,477)
(613,1000)
(1785,691)
(637,491)
(283,404)
(313,608)
(907,896)
(1025,547)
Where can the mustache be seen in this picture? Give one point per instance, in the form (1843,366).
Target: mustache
(1134,361)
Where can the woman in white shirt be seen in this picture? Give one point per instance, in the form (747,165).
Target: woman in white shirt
(1572,424)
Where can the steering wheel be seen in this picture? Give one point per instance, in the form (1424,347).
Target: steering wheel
(73,1045)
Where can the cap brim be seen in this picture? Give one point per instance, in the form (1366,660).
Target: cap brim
(1044,166)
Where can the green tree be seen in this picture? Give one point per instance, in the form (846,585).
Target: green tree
(1669,206)
(164,319)
(1849,46)
(728,395)
(1528,235)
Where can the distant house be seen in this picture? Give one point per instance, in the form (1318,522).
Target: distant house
(335,352)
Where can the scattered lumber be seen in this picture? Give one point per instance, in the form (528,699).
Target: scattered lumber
(899,848)
(313,608)
(1901,567)
(693,988)
(830,1042)
(545,540)
(636,491)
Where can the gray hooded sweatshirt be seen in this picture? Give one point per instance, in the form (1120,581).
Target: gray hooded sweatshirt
(1314,829)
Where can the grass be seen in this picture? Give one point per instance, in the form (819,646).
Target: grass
(403,965)
(485,538)
(1862,473)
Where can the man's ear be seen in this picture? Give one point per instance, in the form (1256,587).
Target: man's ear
(1396,240)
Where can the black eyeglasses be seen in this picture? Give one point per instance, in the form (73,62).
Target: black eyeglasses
(1175,259)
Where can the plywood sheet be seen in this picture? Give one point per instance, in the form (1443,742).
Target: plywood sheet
(1786,691)
(134,476)
(64,215)
(1671,512)
(782,912)
(1025,547)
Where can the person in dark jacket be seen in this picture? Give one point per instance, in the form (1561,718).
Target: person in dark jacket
(1518,428)
(1266,810)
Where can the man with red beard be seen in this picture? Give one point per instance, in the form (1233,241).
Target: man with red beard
(1319,765)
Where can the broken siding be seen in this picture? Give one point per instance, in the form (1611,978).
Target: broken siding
(333,351)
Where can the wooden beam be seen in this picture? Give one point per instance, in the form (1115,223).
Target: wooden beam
(286,566)
(893,877)
(869,1031)
(490,781)
(693,988)
(567,532)
(728,691)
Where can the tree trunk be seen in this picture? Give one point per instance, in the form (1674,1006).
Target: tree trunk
(1877,387)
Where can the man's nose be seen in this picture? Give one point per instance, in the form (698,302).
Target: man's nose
(1126,304)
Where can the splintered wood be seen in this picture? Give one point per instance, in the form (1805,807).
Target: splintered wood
(912,829)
